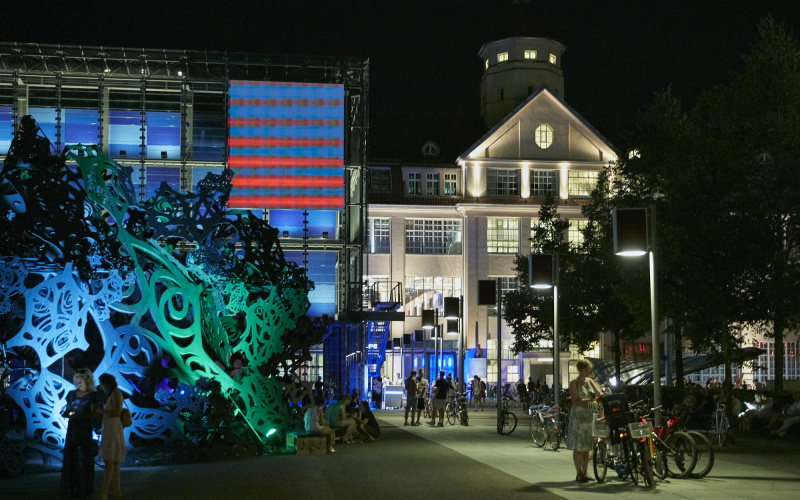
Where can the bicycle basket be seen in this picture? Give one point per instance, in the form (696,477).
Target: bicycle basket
(640,430)
(600,429)
(617,412)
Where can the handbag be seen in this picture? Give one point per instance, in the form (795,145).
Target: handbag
(125,416)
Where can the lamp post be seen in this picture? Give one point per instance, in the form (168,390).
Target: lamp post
(453,313)
(430,322)
(542,275)
(635,237)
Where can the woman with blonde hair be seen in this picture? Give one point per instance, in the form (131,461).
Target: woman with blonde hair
(77,471)
(583,392)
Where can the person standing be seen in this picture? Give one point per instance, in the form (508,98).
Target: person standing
(112,442)
(422,393)
(77,471)
(377,392)
(440,389)
(399,380)
(583,393)
(478,389)
(411,397)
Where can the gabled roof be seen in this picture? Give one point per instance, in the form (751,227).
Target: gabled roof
(513,137)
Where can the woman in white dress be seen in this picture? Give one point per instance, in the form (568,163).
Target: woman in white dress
(112,442)
(582,392)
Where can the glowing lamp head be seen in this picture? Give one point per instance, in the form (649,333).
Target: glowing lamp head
(428,319)
(630,231)
(540,271)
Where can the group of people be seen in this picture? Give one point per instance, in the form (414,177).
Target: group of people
(347,413)
(85,407)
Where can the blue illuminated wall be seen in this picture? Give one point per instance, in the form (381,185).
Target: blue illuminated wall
(291,221)
(322,271)
(286,145)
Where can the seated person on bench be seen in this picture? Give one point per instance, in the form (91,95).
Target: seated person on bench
(315,423)
(338,418)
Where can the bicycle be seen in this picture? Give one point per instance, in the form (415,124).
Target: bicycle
(704,451)
(630,451)
(506,421)
(428,410)
(456,410)
(673,453)
(544,426)
(720,427)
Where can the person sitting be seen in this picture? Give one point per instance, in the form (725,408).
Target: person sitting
(759,409)
(787,418)
(314,420)
(338,419)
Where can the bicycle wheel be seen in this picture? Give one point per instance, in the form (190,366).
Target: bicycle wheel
(681,455)
(450,413)
(537,430)
(426,410)
(629,456)
(646,464)
(555,436)
(719,429)
(705,455)
(508,422)
(464,417)
(660,463)
(600,460)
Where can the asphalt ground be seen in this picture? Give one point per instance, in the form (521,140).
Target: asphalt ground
(454,462)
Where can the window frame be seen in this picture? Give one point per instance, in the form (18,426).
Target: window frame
(544,136)
(581,183)
(502,235)
(551,177)
(494,186)
(414,183)
(380,234)
(433,236)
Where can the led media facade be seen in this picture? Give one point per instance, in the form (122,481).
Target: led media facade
(286,145)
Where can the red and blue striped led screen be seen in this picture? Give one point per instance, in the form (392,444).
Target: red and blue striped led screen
(286,145)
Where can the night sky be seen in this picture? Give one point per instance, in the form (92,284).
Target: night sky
(424,69)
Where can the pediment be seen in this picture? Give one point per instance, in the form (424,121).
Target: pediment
(515,137)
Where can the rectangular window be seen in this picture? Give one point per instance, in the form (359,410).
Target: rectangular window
(530,54)
(575,231)
(502,182)
(552,59)
(507,284)
(380,180)
(428,292)
(378,236)
(414,183)
(432,185)
(512,374)
(450,184)
(543,182)
(433,236)
(581,183)
(502,57)
(502,235)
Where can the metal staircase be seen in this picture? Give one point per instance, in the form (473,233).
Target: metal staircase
(378,331)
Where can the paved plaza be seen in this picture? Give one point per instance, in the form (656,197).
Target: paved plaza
(439,463)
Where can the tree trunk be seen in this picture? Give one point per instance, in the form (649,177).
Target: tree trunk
(617,357)
(779,326)
(678,346)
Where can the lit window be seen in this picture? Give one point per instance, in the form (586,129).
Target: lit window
(502,235)
(450,184)
(414,183)
(432,185)
(543,136)
(581,183)
(530,54)
(425,292)
(543,182)
(575,231)
(502,57)
(378,235)
(433,236)
(502,182)
(553,59)
(512,374)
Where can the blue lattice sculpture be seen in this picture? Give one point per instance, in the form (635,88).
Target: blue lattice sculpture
(89,270)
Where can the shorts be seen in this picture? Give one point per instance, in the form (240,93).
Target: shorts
(438,404)
(420,403)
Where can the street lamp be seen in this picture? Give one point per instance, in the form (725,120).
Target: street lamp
(453,313)
(542,275)
(430,321)
(634,237)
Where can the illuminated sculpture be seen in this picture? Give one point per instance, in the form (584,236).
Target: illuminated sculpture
(89,270)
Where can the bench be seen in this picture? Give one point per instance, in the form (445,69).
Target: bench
(306,444)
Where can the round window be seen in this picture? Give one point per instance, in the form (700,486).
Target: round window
(543,136)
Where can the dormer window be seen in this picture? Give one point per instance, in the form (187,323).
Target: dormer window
(502,57)
(430,148)
(530,54)
(553,59)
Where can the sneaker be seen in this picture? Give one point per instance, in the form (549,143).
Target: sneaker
(406,424)
(441,424)
(432,422)
(415,424)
